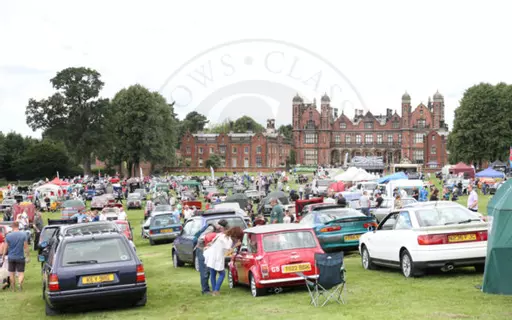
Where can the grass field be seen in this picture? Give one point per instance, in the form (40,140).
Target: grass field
(382,294)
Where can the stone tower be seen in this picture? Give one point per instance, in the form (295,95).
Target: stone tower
(438,111)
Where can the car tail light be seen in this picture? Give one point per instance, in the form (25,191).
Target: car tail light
(371,224)
(482,235)
(432,239)
(264,270)
(53,284)
(151,232)
(330,229)
(141,276)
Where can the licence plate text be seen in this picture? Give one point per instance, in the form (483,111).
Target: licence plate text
(352,237)
(98,278)
(462,237)
(166,230)
(300,267)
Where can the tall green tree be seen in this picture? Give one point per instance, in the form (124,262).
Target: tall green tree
(141,128)
(214,161)
(481,130)
(193,123)
(73,114)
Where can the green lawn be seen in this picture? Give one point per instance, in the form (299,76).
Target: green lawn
(383,294)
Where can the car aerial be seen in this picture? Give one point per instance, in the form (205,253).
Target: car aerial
(426,235)
(183,250)
(388,205)
(125,228)
(134,201)
(89,270)
(271,255)
(163,227)
(336,227)
(71,207)
(99,202)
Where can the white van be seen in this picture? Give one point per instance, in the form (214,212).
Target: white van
(407,185)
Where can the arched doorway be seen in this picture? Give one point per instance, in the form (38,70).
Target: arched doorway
(335,157)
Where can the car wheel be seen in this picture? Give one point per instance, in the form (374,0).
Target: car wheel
(196,263)
(407,265)
(255,291)
(176,261)
(50,311)
(480,268)
(151,242)
(231,280)
(142,301)
(366,260)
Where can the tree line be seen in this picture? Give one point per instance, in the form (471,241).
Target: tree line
(79,125)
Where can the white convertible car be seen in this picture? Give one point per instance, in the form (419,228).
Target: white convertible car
(426,235)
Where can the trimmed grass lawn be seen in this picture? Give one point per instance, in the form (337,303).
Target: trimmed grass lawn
(381,294)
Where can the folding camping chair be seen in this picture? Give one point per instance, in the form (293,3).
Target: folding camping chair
(330,281)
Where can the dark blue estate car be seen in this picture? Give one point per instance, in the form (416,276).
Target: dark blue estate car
(183,247)
(93,270)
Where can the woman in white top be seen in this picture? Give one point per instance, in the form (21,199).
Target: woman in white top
(215,253)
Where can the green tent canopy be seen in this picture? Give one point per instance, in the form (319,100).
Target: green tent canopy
(498,264)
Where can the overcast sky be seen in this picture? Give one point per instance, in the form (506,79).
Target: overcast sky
(365,54)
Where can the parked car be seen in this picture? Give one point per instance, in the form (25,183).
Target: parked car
(99,202)
(322,187)
(134,201)
(163,227)
(71,207)
(111,213)
(125,228)
(388,205)
(209,189)
(183,246)
(336,227)
(271,255)
(91,270)
(7,203)
(142,193)
(427,235)
(255,195)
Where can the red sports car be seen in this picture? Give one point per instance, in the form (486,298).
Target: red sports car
(271,255)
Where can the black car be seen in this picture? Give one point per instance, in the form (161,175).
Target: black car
(183,250)
(93,270)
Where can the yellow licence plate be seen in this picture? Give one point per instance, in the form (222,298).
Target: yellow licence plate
(166,231)
(300,267)
(352,237)
(98,279)
(462,237)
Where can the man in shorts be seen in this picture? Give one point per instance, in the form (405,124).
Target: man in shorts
(16,245)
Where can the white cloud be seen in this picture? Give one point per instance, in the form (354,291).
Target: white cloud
(382,47)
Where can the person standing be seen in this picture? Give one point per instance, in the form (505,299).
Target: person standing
(301,192)
(215,253)
(364,203)
(276,215)
(202,242)
(378,200)
(16,246)
(38,226)
(472,199)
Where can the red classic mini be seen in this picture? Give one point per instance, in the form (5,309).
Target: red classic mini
(271,255)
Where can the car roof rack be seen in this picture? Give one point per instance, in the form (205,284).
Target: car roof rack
(218,211)
(90,233)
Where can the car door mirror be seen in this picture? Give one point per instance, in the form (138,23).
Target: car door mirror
(43,244)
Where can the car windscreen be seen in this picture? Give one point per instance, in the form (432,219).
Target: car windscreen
(83,229)
(134,197)
(232,222)
(163,220)
(72,204)
(408,201)
(328,215)
(440,216)
(93,251)
(163,208)
(47,234)
(288,241)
